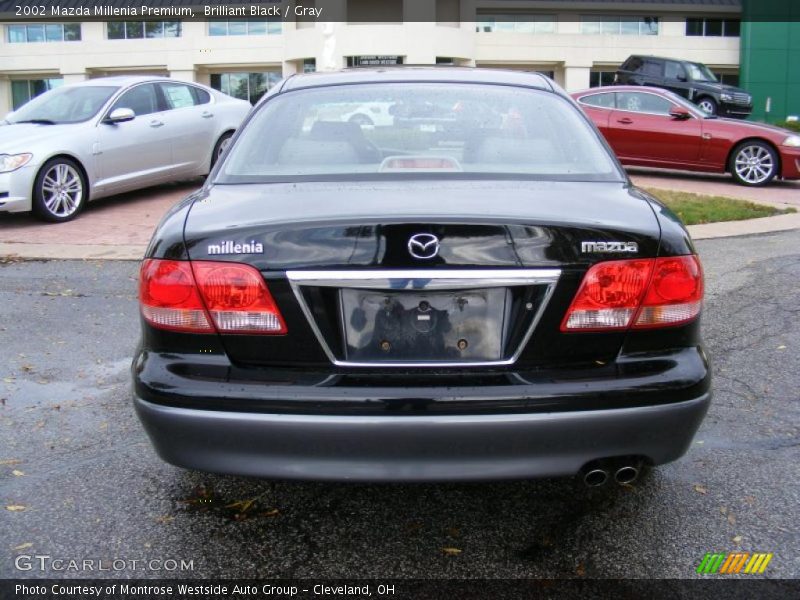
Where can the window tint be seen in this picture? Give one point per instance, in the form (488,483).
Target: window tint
(651,68)
(449,130)
(201,96)
(633,64)
(178,95)
(674,70)
(601,100)
(643,102)
(142,100)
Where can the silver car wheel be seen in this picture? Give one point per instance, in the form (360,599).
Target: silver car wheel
(707,106)
(62,190)
(754,164)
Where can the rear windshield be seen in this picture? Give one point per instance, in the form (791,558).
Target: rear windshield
(375,131)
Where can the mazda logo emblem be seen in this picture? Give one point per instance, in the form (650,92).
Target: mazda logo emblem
(423,246)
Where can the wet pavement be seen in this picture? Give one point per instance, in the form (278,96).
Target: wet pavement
(83,482)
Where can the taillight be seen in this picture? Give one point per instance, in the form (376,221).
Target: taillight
(169,298)
(637,293)
(184,296)
(237,298)
(675,293)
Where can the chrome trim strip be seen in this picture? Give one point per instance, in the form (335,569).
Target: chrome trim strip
(425,279)
(449,279)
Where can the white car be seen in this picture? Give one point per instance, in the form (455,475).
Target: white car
(110,135)
(373,114)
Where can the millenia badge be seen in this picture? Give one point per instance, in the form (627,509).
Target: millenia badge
(229,247)
(734,563)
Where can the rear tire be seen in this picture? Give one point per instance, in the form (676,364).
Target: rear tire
(219,148)
(754,163)
(60,190)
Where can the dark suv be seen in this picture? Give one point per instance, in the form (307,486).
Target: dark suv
(694,81)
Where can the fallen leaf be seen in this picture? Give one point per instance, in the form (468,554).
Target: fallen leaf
(700,489)
(781,347)
(16,507)
(8,379)
(17,473)
(723,510)
(23,546)
(580,570)
(242,505)
(737,539)
(731,519)
(165,519)
(451,551)
(272,512)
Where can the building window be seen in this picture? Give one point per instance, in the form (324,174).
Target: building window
(23,90)
(515,23)
(448,12)
(43,32)
(134,30)
(242,27)
(246,86)
(601,78)
(713,27)
(617,25)
(309,65)
(728,78)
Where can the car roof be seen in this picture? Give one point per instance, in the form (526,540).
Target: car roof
(121,80)
(683,60)
(619,88)
(408,74)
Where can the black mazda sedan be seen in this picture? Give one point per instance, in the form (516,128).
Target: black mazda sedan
(468,289)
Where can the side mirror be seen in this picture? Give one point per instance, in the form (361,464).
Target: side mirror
(120,115)
(679,113)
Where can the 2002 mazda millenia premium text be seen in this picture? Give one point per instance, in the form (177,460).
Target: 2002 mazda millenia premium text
(481,294)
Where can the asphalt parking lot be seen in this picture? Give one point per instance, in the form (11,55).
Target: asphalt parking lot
(79,480)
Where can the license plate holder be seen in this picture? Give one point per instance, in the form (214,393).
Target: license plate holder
(415,326)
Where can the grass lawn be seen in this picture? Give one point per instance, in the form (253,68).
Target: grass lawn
(694,209)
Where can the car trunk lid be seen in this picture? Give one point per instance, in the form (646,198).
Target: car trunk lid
(322,231)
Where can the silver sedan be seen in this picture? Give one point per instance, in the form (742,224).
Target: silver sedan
(110,135)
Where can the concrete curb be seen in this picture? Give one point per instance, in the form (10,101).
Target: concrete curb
(748,227)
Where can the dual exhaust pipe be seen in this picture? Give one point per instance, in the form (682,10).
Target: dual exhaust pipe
(623,470)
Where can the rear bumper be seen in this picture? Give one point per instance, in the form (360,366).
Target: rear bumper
(411,448)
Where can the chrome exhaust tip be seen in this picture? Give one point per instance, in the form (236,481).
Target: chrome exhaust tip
(626,474)
(595,477)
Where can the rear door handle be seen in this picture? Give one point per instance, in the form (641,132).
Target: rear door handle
(207,115)
(156,123)
(625,121)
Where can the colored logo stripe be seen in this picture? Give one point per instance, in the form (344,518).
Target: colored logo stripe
(733,562)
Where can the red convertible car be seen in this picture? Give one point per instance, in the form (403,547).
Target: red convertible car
(651,127)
